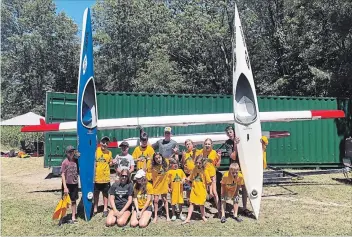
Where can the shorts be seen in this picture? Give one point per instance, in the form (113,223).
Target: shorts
(186,187)
(119,209)
(103,187)
(72,191)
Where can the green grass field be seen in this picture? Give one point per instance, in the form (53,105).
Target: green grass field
(316,205)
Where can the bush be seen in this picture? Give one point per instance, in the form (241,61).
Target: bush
(11,136)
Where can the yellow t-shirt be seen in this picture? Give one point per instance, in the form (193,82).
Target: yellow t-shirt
(213,158)
(159,178)
(175,178)
(102,167)
(230,183)
(145,153)
(142,198)
(189,163)
(264,160)
(200,179)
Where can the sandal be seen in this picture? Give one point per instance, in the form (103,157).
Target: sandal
(247,212)
(238,219)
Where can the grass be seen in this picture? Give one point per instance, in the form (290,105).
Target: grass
(316,205)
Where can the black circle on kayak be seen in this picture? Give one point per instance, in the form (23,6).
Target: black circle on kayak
(254,193)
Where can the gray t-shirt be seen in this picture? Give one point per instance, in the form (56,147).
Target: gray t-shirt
(121,193)
(124,161)
(165,147)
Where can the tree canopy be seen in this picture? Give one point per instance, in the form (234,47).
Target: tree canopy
(299,47)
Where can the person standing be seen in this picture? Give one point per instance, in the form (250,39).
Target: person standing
(265,143)
(69,175)
(124,160)
(167,147)
(142,154)
(103,161)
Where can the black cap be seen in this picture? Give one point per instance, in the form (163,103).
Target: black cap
(105,138)
(124,144)
(144,136)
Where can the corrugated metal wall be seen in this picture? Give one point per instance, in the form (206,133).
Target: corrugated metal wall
(312,143)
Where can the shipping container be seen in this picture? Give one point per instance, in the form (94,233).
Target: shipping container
(311,144)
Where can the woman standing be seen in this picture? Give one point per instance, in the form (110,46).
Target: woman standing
(120,197)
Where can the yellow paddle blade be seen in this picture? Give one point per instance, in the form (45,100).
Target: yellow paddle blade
(58,210)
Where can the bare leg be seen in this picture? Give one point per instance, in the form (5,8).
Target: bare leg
(134,220)
(223,207)
(244,197)
(166,204)
(74,210)
(111,219)
(190,211)
(96,201)
(173,207)
(144,220)
(156,199)
(202,211)
(105,203)
(122,221)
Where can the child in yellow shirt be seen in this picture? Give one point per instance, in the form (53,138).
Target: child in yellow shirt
(265,143)
(158,169)
(188,162)
(213,161)
(200,180)
(230,185)
(176,178)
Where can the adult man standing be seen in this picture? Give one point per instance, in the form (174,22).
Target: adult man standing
(167,147)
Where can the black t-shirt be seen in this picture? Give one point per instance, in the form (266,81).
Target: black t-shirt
(231,147)
(121,193)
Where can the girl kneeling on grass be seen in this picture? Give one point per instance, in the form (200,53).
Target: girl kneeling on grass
(158,168)
(120,198)
(200,180)
(142,196)
(176,179)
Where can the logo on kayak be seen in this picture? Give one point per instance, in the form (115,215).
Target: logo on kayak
(84,64)
(247,60)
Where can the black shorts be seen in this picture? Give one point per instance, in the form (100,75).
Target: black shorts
(120,208)
(72,191)
(104,188)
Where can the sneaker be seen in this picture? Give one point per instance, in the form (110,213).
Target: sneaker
(223,219)
(182,217)
(105,213)
(238,219)
(70,222)
(173,218)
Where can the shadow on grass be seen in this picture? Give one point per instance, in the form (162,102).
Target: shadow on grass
(344,180)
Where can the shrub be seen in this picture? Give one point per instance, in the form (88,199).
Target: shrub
(11,136)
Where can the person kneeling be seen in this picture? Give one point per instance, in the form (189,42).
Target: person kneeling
(142,196)
(120,197)
(230,184)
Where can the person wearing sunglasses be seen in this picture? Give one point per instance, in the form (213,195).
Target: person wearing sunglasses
(103,161)
(142,200)
(120,198)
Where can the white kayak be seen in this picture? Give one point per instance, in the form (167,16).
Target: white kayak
(247,120)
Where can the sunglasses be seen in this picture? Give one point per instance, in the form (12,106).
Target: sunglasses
(105,143)
(123,176)
(198,163)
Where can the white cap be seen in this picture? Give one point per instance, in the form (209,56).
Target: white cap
(140,173)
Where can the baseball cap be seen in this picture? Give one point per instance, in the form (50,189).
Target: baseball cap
(168,129)
(144,136)
(105,138)
(265,140)
(140,173)
(70,148)
(124,144)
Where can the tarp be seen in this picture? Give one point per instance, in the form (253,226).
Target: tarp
(24,119)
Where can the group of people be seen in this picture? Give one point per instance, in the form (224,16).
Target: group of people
(158,174)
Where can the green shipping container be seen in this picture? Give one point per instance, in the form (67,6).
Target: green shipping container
(311,144)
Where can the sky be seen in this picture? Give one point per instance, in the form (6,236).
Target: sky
(74,9)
